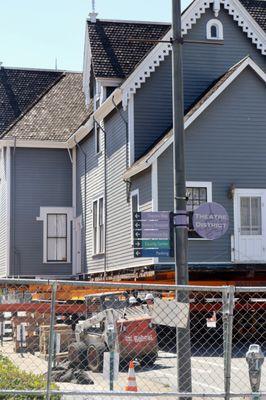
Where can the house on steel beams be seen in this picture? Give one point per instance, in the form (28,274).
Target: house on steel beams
(120,151)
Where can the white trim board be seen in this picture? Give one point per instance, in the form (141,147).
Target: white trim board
(148,160)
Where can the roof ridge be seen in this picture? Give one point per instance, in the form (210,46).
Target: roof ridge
(125,21)
(59,71)
(31,105)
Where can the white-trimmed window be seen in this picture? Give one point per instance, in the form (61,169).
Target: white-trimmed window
(197,193)
(98,225)
(214,30)
(56,234)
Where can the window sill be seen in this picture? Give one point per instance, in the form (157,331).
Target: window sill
(57,262)
(98,255)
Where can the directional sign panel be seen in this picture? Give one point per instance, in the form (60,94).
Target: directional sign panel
(151,224)
(152,244)
(152,234)
(151,216)
(152,253)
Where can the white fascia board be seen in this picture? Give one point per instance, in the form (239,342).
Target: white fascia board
(187,122)
(49,144)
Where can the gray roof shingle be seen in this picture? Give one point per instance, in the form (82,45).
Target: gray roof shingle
(113,54)
(19,88)
(257,9)
(56,116)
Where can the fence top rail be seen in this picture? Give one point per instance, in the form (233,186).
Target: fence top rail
(122,285)
(243,289)
(127,394)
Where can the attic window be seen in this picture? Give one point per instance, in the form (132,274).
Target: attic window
(214,30)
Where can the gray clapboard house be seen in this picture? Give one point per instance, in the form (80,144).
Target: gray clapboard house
(76,190)
(41,109)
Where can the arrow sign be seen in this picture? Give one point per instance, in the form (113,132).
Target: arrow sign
(152,253)
(152,244)
(154,234)
(137,225)
(137,234)
(151,216)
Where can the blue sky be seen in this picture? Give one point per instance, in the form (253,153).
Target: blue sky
(35,32)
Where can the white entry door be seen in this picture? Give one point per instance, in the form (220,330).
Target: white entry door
(250,229)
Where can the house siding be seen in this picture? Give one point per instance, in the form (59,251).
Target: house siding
(3,213)
(203,64)
(90,185)
(225,145)
(119,252)
(41,178)
(119,224)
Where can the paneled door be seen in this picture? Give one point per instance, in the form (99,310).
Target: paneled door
(250,229)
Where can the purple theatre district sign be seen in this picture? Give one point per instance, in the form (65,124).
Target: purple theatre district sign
(210,221)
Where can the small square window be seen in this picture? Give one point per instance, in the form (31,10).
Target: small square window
(197,193)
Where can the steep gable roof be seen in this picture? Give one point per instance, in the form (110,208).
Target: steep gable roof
(206,99)
(56,115)
(113,54)
(19,88)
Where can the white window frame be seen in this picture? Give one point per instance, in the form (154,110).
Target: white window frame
(133,193)
(219,27)
(44,211)
(208,186)
(98,252)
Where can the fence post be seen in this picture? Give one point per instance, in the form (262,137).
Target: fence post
(228,309)
(51,341)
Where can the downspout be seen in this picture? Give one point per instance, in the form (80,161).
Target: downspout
(16,253)
(128,183)
(85,196)
(105,200)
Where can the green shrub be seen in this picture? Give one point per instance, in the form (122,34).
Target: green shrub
(12,378)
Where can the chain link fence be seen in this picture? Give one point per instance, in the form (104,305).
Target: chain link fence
(92,340)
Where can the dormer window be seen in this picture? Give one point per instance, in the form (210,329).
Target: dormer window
(214,30)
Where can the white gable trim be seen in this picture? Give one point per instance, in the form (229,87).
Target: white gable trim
(87,67)
(247,23)
(189,18)
(188,121)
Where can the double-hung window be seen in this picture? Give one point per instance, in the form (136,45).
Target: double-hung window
(197,194)
(56,234)
(98,225)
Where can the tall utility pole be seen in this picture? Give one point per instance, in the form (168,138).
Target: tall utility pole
(181,236)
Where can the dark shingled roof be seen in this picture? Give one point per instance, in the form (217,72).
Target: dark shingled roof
(113,54)
(257,9)
(57,114)
(19,88)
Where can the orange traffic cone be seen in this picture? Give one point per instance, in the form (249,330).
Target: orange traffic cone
(131,380)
